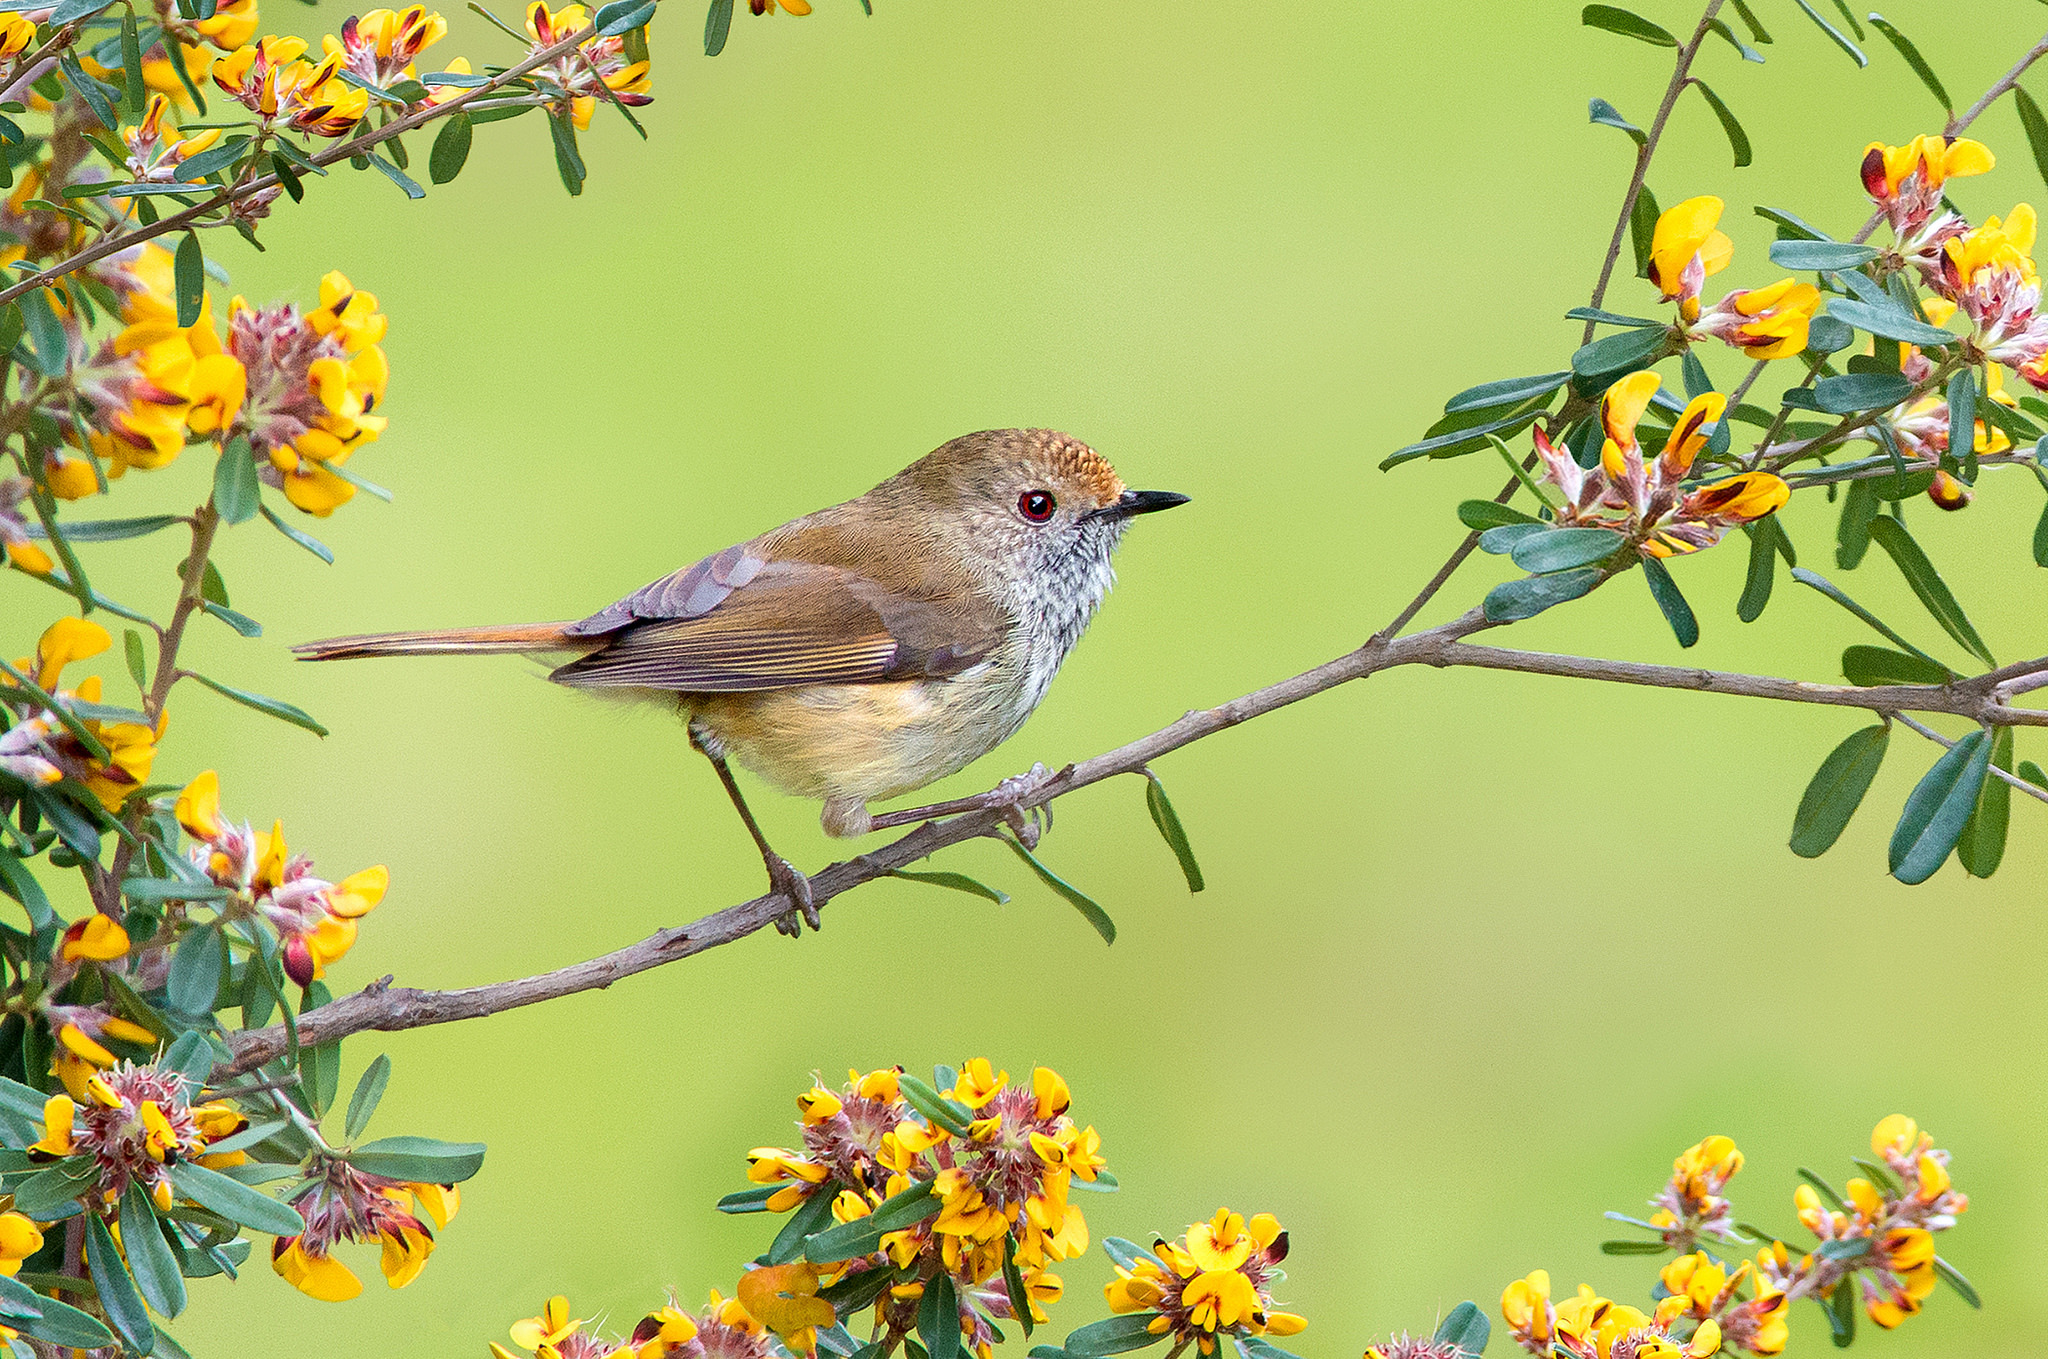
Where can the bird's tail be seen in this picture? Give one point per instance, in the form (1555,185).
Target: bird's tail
(516,639)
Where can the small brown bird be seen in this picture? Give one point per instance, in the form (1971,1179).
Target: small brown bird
(864,651)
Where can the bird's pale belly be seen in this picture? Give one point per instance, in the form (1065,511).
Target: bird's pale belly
(858,743)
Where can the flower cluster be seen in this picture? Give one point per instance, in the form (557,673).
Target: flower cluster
(984,1168)
(723,1330)
(597,68)
(315,919)
(1645,499)
(135,1123)
(43,749)
(271,79)
(1877,1242)
(341,1203)
(1686,247)
(1216,1280)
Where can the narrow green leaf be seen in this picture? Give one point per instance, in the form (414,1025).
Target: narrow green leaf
(958,882)
(936,1108)
(846,1240)
(1601,112)
(1632,1247)
(1616,20)
(568,161)
(1852,528)
(1828,588)
(149,1255)
(1854,392)
(1115,1335)
(1889,321)
(1458,442)
(1927,583)
(406,183)
(1611,318)
(1951,1276)
(1511,601)
(116,1288)
(2033,773)
(750,1200)
(1982,845)
(422,1160)
(303,539)
(236,492)
(1081,901)
(1563,548)
(1867,666)
(1841,41)
(1757,32)
(938,1318)
(1822,256)
(1914,60)
(1014,1286)
(270,707)
(1642,228)
(1505,392)
(1613,356)
(196,969)
(1841,1312)
(46,342)
(451,148)
(1697,383)
(1849,17)
(1938,806)
(622,16)
(1168,822)
(2036,127)
(235,1201)
(1837,790)
(17,882)
(131,72)
(1738,140)
(50,1321)
(717,23)
(112,530)
(1466,1328)
(1747,52)
(812,1217)
(1763,564)
(1671,602)
(1962,415)
(1791,227)
(1502,538)
(369,1090)
(1481,515)
(240,622)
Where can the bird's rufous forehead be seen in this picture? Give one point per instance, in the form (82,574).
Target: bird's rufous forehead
(1074,461)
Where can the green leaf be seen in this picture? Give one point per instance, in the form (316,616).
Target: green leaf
(1823,256)
(1467,1328)
(111,530)
(52,1192)
(1633,1247)
(938,1318)
(305,540)
(451,148)
(116,1287)
(1458,442)
(269,706)
(958,882)
(1837,790)
(1481,515)
(1078,899)
(1841,1313)
(717,23)
(1738,140)
(622,16)
(236,492)
(847,1240)
(568,161)
(1914,60)
(1868,666)
(2033,773)
(812,1216)
(1561,549)
(131,72)
(1601,112)
(2036,126)
(149,1255)
(1763,566)
(1822,584)
(1951,1276)
(1616,20)
(1502,538)
(1852,529)
(1671,602)
(1614,356)
(1258,1347)
(1697,383)
(1170,830)
(1927,583)
(1013,1285)
(1889,321)
(188,270)
(94,92)
(47,346)
(750,1200)
(50,1321)
(369,1089)
(421,1160)
(1505,392)
(1854,392)
(240,622)
(1747,52)
(1962,415)
(1609,318)
(1982,844)
(1511,601)
(1115,1335)
(196,971)
(1855,52)
(936,1108)
(404,181)
(17,882)
(1937,808)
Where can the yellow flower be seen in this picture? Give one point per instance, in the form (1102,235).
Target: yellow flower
(65,641)
(96,937)
(1935,158)
(1685,248)
(233,24)
(1896,1137)
(1737,500)
(1688,436)
(60,1115)
(797,7)
(1219,1298)
(551,1327)
(978,1083)
(16,33)
(198,807)
(817,1105)
(1219,1243)
(1768,323)
(1050,1091)
(784,1298)
(1525,1305)
(19,1239)
(1996,245)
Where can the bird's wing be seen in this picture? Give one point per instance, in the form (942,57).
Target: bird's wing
(733,623)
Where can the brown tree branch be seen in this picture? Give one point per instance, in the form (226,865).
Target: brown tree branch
(385,1007)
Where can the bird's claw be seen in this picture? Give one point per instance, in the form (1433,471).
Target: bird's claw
(785,879)
(1028,824)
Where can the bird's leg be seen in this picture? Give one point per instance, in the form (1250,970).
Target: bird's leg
(782,876)
(1005,797)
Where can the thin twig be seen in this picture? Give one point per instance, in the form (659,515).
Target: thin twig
(1681,70)
(2015,780)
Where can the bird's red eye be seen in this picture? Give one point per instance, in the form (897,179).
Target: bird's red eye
(1037,506)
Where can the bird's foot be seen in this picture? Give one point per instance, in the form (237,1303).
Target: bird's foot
(1006,797)
(784,878)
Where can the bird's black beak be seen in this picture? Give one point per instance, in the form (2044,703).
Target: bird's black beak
(1138,502)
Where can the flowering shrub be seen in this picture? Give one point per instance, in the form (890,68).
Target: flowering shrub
(175,1048)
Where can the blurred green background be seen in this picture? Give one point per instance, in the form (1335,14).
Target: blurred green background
(1480,952)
